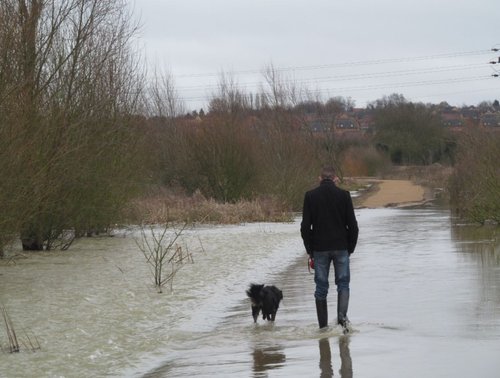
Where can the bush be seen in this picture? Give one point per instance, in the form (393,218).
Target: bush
(475,183)
(364,161)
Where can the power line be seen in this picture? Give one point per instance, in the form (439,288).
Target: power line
(442,94)
(412,84)
(325,81)
(344,64)
(349,77)
(379,86)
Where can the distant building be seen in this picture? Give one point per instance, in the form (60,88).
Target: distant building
(470,113)
(490,120)
(346,124)
(452,119)
(365,118)
(320,125)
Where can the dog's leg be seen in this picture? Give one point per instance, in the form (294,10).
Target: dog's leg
(255,313)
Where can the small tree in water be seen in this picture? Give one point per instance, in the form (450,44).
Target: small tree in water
(163,255)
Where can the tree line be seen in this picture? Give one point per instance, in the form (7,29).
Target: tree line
(84,129)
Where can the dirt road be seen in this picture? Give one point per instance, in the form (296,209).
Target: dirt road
(393,193)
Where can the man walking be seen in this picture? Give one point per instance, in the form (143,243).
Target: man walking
(330,232)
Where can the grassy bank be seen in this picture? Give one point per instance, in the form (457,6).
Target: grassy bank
(163,205)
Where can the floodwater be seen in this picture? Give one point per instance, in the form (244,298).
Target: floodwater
(425,302)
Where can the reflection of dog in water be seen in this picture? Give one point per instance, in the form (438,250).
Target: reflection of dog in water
(266,299)
(267,359)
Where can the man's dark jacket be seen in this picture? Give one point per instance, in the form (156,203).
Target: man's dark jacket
(328,219)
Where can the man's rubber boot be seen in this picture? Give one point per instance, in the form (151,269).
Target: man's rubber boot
(322,312)
(342,306)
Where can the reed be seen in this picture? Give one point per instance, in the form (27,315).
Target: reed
(13,343)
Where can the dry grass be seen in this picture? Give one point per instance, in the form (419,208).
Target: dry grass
(163,206)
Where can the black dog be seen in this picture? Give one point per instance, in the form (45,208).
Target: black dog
(265,298)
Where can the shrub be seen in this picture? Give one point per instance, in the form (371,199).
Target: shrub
(475,183)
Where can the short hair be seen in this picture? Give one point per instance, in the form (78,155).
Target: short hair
(328,172)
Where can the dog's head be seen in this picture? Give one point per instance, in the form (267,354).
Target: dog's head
(254,292)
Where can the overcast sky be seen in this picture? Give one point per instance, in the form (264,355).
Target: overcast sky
(427,50)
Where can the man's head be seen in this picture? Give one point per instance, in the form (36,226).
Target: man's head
(328,173)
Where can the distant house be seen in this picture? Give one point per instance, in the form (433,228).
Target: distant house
(365,119)
(490,120)
(470,113)
(345,123)
(452,119)
(320,125)
(340,125)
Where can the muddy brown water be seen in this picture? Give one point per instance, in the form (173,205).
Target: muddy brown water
(425,302)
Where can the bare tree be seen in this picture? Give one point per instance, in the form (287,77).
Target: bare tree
(162,98)
(229,98)
(281,91)
(286,155)
(163,255)
(68,85)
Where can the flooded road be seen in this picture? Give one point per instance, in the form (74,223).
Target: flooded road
(425,302)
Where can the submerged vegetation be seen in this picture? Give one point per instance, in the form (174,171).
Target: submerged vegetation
(163,254)
(14,342)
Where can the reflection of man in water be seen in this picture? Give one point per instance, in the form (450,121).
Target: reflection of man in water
(325,358)
(330,232)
